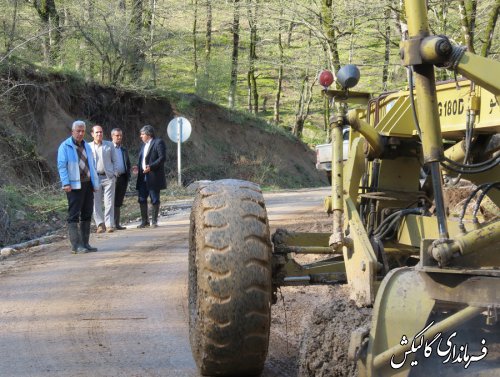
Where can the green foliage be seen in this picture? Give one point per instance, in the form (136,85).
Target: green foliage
(184,104)
(244,118)
(39,204)
(213,79)
(27,213)
(312,134)
(12,199)
(187,104)
(102,41)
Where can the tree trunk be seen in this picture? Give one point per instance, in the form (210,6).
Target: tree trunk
(351,40)
(326,118)
(387,47)
(249,92)
(277,101)
(137,58)
(304,106)
(253,95)
(234,60)
(468,20)
(472,10)
(208,35)
(490,28)
(85,63)
(328,25)
(152,60)
(49,16)
(195,43)
(305,98)
(298,126)
(301,115)
(291,26)
(10,40)
(279,83)
(401,22)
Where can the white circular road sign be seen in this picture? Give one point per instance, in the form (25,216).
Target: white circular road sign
(179,128)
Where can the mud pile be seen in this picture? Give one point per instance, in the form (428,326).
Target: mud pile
(324,346)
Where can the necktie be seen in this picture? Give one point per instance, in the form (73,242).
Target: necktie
(124,161)
(118,147)
(83,161)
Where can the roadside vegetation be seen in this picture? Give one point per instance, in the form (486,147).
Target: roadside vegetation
(27,212)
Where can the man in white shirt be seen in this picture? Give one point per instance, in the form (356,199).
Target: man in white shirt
(151,175)
(123,171)
(107,168)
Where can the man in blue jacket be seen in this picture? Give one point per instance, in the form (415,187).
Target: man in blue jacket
(79,179)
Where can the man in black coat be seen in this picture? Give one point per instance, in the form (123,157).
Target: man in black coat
(122,173)
(151,174)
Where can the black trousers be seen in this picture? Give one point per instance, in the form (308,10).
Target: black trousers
(120,189)
(143,192)
(81,203)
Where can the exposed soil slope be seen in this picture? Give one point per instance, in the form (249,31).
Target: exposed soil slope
(37,115)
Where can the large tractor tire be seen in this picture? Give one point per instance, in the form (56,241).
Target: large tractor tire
(229,279)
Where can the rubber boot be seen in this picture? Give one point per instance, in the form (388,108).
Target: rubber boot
(74,239)
(117,219)
(154,216)
(144,215)
(85,231)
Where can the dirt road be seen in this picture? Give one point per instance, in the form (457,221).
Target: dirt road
(123,310)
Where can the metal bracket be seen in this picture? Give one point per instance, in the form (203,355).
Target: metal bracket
(358,342)
(410,51)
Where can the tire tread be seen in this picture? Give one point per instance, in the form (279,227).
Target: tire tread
(230,237)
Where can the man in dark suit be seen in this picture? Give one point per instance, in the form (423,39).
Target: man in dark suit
(151,174)
(122,174)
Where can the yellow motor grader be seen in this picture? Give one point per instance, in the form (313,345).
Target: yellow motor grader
(433,280)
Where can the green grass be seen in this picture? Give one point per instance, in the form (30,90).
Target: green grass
(27,213)
(38,204)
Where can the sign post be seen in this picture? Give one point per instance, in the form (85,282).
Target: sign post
(179,138)
(179,130)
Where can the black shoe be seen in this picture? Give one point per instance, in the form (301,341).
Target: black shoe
(143,225)
(79,250)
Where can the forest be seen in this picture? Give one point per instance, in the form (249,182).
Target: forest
(261,57)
